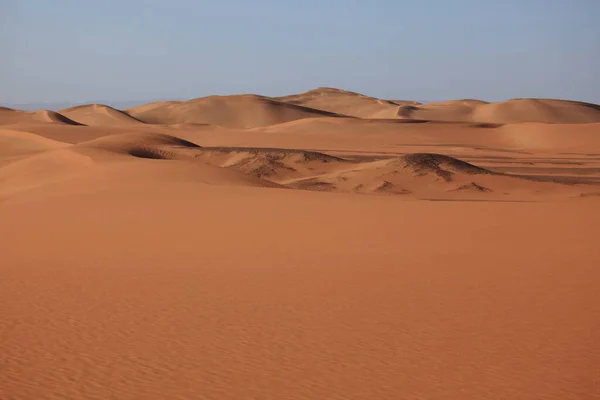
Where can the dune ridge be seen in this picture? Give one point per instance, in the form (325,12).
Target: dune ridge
(9,116)
(464,110)
(237,111)
(253,111)
(99,115)
(346,102)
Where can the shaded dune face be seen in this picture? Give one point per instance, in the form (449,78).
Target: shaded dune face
(9,116)
(100,115)
(142,145)
(441,165)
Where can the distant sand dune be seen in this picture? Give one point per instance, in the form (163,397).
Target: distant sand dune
(537,110)
(345,102)
(99,115)
(241,111)
(253,111)
(9,116)
(466,110)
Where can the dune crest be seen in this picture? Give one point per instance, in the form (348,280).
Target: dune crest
(99,115)
(464,110)
(345,102)
(238,111)
(9,116)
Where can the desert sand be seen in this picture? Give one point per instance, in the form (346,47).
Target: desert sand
(323,245)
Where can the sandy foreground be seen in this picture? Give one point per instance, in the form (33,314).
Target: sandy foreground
(306,253)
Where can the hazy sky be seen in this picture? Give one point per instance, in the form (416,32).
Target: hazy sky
(81,50)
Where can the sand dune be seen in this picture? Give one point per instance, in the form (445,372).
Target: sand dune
(127,158)
(236,247)
(9,116)
(419,174)
(243,111)
(142,145)
(345,102)
(15,143)
(537,110)
(510,111)
(467,110)
(252,111)
(455,110)
(428,175)
(99,115)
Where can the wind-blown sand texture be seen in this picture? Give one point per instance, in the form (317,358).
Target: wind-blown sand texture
(325,245)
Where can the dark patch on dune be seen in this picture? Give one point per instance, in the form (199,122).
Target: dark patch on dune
(471,187)
(58,117)
(306,156)
(175,141)
(590,194)
(443,166)
(156,146)
(487,125)
(406,111)
(384,186)
(313,184)
(154,154)
(266,162)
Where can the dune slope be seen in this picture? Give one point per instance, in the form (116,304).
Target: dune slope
(9,116)
(240,111)
(99,115)
(467,110)
(423,175)
(345,102)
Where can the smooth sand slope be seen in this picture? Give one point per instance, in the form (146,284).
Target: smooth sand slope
(240,111)
(176,289)
(510,111)
(9,116)
(280,252)
(99,115)
(347,103)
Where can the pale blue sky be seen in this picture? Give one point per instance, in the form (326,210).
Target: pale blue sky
(79,50)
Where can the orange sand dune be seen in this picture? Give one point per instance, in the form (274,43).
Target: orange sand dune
(99,115)
(346,103)
(531,136)
(237,247)
(510,111)
(9,116)
(14,143)
(537,110)
(242,111)
(424,175)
